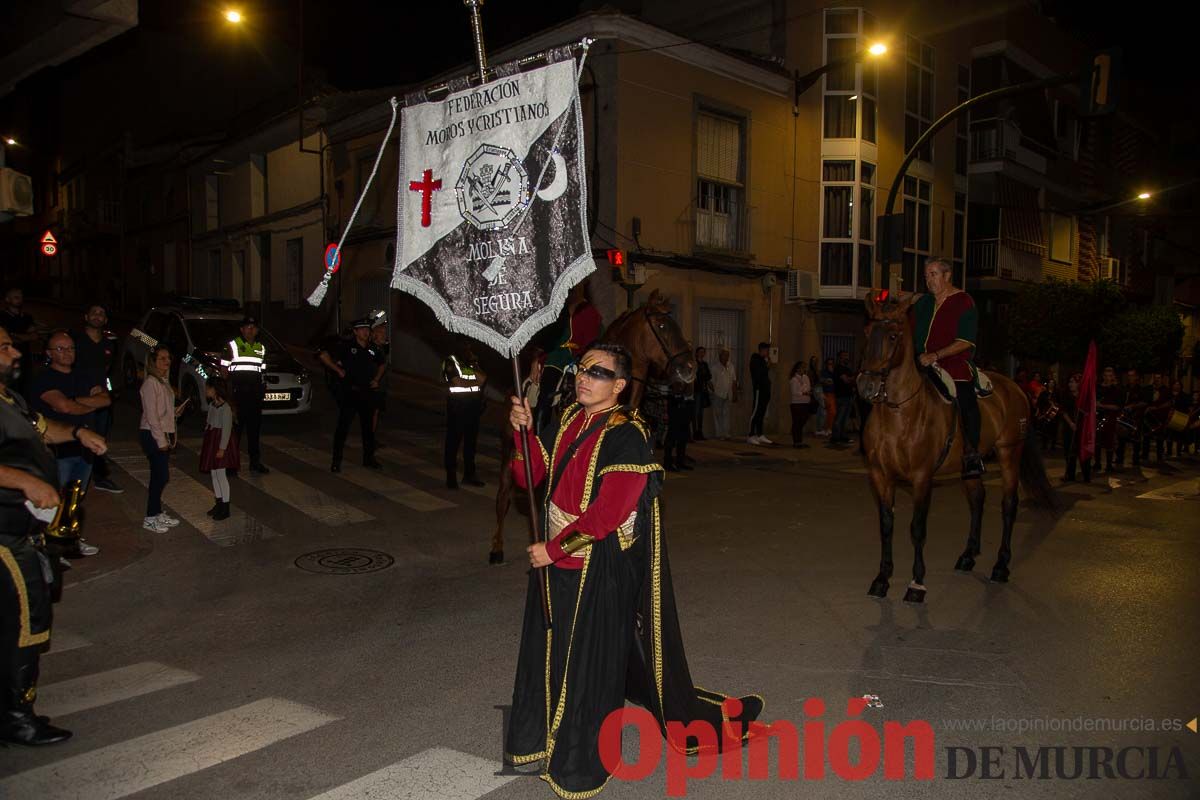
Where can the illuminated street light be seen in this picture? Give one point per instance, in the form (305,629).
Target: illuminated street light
(10,141)
(877,49)
(233,15)
(1143,196)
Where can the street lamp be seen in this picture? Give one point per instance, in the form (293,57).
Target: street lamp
(232,15)
(10,141)
(1143,196)
(806,82)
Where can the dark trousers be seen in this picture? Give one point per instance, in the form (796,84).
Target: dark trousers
(844,406)
(103,424)
(351,403)
(248,396)
(1135,446)
(679,421)
(160,472)
(762,396)
(25,617)
(462,427)
(702,402)
(968,407)
(799,420)
(1071,449)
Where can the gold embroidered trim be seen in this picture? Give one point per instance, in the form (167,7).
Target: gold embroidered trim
(625,531)
(517,761)
(26,637)
(642,469)
(591,473)
(563,793)
(562,695)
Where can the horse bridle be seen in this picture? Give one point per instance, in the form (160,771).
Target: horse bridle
(880,395)
(662,344)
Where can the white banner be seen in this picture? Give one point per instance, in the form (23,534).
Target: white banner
(492,212)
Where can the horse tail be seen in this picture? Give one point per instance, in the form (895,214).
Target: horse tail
(1033,472)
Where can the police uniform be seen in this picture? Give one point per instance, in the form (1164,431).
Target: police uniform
(245,363)
(25,575)
(355,395)
(464,406)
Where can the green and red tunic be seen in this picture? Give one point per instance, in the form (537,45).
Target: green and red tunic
(956,320)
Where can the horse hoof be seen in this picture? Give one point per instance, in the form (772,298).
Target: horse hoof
(496,557)
(878,589)
(915,595)
(965,564)
(999,575)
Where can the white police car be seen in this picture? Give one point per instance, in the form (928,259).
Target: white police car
(198,331)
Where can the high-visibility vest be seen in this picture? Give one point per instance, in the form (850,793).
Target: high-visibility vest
(452,368)
(245,357)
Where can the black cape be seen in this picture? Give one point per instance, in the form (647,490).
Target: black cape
(615,634)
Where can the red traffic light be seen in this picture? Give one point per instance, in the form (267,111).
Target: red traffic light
(616,257)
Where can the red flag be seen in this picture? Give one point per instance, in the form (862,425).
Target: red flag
(1086,417)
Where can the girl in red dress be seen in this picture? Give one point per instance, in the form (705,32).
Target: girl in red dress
(220,451)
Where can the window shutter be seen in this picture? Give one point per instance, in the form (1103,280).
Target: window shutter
(718,148)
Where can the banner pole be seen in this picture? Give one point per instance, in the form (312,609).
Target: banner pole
(535,532)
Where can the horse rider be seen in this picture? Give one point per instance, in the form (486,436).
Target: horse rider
(581,329)
(946,325)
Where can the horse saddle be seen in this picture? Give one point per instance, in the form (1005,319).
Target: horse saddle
(947,388)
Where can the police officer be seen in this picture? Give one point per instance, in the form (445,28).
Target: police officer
(247,359)
(464,405)
(359,368)
(28,479)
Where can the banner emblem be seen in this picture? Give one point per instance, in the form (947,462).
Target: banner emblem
(493,187)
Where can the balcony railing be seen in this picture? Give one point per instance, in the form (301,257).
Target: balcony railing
(722,219)
(1001,140)
(997,258)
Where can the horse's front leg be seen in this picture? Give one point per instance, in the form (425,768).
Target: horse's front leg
(884,490)
(976,495)
(1010,459)
(922,493)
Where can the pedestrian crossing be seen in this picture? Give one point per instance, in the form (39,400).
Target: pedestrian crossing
(114,770)
(190,500)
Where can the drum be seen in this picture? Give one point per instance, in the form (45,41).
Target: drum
(1127,427)
(1177,422)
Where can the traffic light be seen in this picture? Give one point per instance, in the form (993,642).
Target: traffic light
(1101,83)
(617,259)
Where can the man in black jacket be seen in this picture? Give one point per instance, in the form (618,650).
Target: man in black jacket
(760,381)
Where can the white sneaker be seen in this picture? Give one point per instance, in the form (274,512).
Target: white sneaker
(764,440)
(167,520)
(152,524)
(751,440)
(86,549)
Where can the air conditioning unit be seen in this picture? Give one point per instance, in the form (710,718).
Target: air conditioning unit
(1110,269)
(16,193)
(636,274)
(801,285)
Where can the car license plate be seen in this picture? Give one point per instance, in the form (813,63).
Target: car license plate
(273,396)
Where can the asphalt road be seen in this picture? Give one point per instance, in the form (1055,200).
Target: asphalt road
(205,663)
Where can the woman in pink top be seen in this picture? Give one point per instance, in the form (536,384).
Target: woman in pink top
(157,434)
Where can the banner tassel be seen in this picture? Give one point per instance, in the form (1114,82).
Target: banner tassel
(318,294)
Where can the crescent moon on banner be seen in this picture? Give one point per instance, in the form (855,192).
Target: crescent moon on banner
(559,185)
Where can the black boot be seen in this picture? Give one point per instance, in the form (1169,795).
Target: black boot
(18,724)
(451,480)
(473,480)
(972,463)
(216,507)
(222,511)
(370,462)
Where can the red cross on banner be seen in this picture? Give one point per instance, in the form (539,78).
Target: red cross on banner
(426,186)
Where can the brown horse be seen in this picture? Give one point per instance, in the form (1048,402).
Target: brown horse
(913,435)
(659,351)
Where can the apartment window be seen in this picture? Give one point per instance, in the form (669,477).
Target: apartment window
(918,96)
(917,218)
(963,123)
(294,272)
(1061,236)
(849,104)
(721,222)
(847,223)
(960,238)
